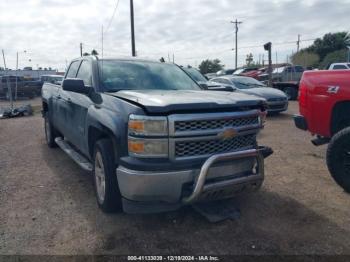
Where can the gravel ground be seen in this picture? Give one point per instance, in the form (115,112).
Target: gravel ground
(48,205)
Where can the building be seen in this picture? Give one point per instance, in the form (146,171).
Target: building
(30,74)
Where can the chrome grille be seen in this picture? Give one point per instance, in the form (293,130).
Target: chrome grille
(193,148)
(181,126)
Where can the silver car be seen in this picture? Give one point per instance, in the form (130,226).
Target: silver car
(276,99)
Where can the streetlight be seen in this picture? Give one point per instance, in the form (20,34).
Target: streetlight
(25,51)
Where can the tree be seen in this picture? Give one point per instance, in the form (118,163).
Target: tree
(329,43)
(86,54)
(306,59)
(249,60)
(210,66)
(334,57)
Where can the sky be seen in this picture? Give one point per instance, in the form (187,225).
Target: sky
(50,31)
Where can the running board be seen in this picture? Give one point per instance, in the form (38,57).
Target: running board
(77,157)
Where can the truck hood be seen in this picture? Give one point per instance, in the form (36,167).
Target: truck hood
(265,92)
(166,101)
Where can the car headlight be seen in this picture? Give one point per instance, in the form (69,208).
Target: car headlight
(145,147)
(148,126)
(148,136)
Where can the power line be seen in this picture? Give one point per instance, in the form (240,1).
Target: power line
(112,17)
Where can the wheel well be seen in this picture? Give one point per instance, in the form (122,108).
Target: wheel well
(95,134)
(45,107)
(340,116)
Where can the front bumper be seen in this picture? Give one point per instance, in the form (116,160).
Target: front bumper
(221,176)
(300,122)
(274,107)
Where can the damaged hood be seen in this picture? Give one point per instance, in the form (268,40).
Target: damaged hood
(165,101)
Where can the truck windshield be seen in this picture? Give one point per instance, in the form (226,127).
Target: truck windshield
(117,75)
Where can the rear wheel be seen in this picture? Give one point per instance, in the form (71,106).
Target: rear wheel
(105,178)
(291,93)
(50,132)
(338,158)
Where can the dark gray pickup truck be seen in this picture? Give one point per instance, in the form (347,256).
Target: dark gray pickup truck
(153,139)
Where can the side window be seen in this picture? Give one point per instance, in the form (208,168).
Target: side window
(288,69)
(73,69)
(85,73)
(225,81)
(339,67)
(299,69)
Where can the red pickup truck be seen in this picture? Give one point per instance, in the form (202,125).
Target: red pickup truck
(324,104)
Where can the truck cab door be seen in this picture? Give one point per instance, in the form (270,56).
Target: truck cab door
(78,105)
(62,101)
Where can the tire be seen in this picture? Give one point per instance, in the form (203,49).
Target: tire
(50,131)
(31,95)
(338,158)
(105,178)
(291,93)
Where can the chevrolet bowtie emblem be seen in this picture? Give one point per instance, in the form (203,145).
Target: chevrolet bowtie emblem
(228,134)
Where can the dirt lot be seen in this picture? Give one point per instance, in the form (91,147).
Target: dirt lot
(48,205)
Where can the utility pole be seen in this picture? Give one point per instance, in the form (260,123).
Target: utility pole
(236,22)
(16,76)
(298,43)
(81,49)
(276,58)
(133,49)
(9,89)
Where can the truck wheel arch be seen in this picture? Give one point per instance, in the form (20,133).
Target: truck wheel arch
(101,132)
(340,116)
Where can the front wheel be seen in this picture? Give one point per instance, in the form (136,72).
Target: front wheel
(338,158)
(105,178)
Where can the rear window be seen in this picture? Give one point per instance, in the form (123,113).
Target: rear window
(338,67)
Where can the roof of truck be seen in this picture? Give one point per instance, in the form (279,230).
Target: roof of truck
(120,58)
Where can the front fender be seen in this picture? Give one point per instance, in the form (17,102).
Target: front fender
(107,122)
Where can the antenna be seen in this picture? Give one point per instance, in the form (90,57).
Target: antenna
(102,41)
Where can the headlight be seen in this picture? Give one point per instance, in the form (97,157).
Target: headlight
(140,147)
(140,131)
(148,126)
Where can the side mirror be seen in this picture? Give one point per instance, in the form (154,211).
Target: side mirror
(75,85)
(204,86)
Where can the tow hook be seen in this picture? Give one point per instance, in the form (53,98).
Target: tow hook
(319,141)
(266,151)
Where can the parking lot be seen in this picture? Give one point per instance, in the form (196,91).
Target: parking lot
(48,204)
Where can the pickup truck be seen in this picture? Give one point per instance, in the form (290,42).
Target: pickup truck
(339,66)
(152,138)
(324,104)
(286,79)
